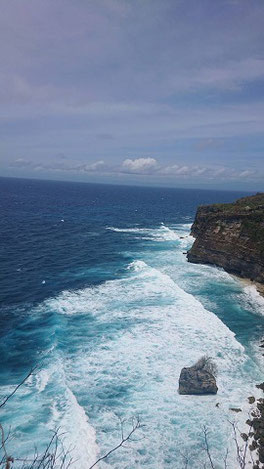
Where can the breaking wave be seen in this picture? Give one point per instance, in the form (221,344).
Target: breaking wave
(134,336)
(117,349)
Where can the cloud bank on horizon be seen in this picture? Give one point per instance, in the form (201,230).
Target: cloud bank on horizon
(160,92)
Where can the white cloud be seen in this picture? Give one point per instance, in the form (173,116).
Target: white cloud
(139,165)
(200,171)
(205,172)
(183,170)
(195,76)
(220,172)
(97,166)
(21,163)
(246,173)
(148,167)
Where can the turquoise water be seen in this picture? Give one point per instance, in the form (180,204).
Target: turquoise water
(96,289)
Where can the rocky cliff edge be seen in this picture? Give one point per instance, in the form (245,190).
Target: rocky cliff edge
(231,236)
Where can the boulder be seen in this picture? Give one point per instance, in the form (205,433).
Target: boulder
(197,381)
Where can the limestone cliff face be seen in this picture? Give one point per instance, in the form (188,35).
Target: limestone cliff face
(231,236)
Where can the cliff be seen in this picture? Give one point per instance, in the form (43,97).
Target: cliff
(231,236)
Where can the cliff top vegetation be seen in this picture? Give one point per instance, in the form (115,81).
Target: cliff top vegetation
(245,205)
(248,212)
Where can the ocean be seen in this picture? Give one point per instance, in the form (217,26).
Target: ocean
(96,290)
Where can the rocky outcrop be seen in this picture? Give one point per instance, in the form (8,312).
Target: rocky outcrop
(256,433)
(197,381)
(231,236)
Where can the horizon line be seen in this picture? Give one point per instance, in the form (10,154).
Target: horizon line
(130,185)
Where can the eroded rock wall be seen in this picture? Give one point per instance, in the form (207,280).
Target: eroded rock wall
(231,236)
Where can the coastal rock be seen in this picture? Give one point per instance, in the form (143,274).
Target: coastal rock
(197,381)
(256,423)
(231,236)
(260,386)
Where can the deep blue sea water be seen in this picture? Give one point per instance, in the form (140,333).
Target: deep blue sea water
(96,289)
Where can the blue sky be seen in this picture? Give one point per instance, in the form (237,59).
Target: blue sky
(155,92)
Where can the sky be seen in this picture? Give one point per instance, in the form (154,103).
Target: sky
(150,92)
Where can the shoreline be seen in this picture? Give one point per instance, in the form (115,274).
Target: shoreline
(256,412)
(251,283)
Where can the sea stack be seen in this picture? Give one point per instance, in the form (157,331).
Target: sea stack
(198,379)
(197,382)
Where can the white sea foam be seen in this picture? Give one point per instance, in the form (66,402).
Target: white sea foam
(134,336)
(128,230)
(253,300)
(162,233)
(152,329)
(42,380)
(79,435)
(137,265)
(52,407)
(67,414)
(185,225)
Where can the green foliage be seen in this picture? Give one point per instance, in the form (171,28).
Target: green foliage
(246,205)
